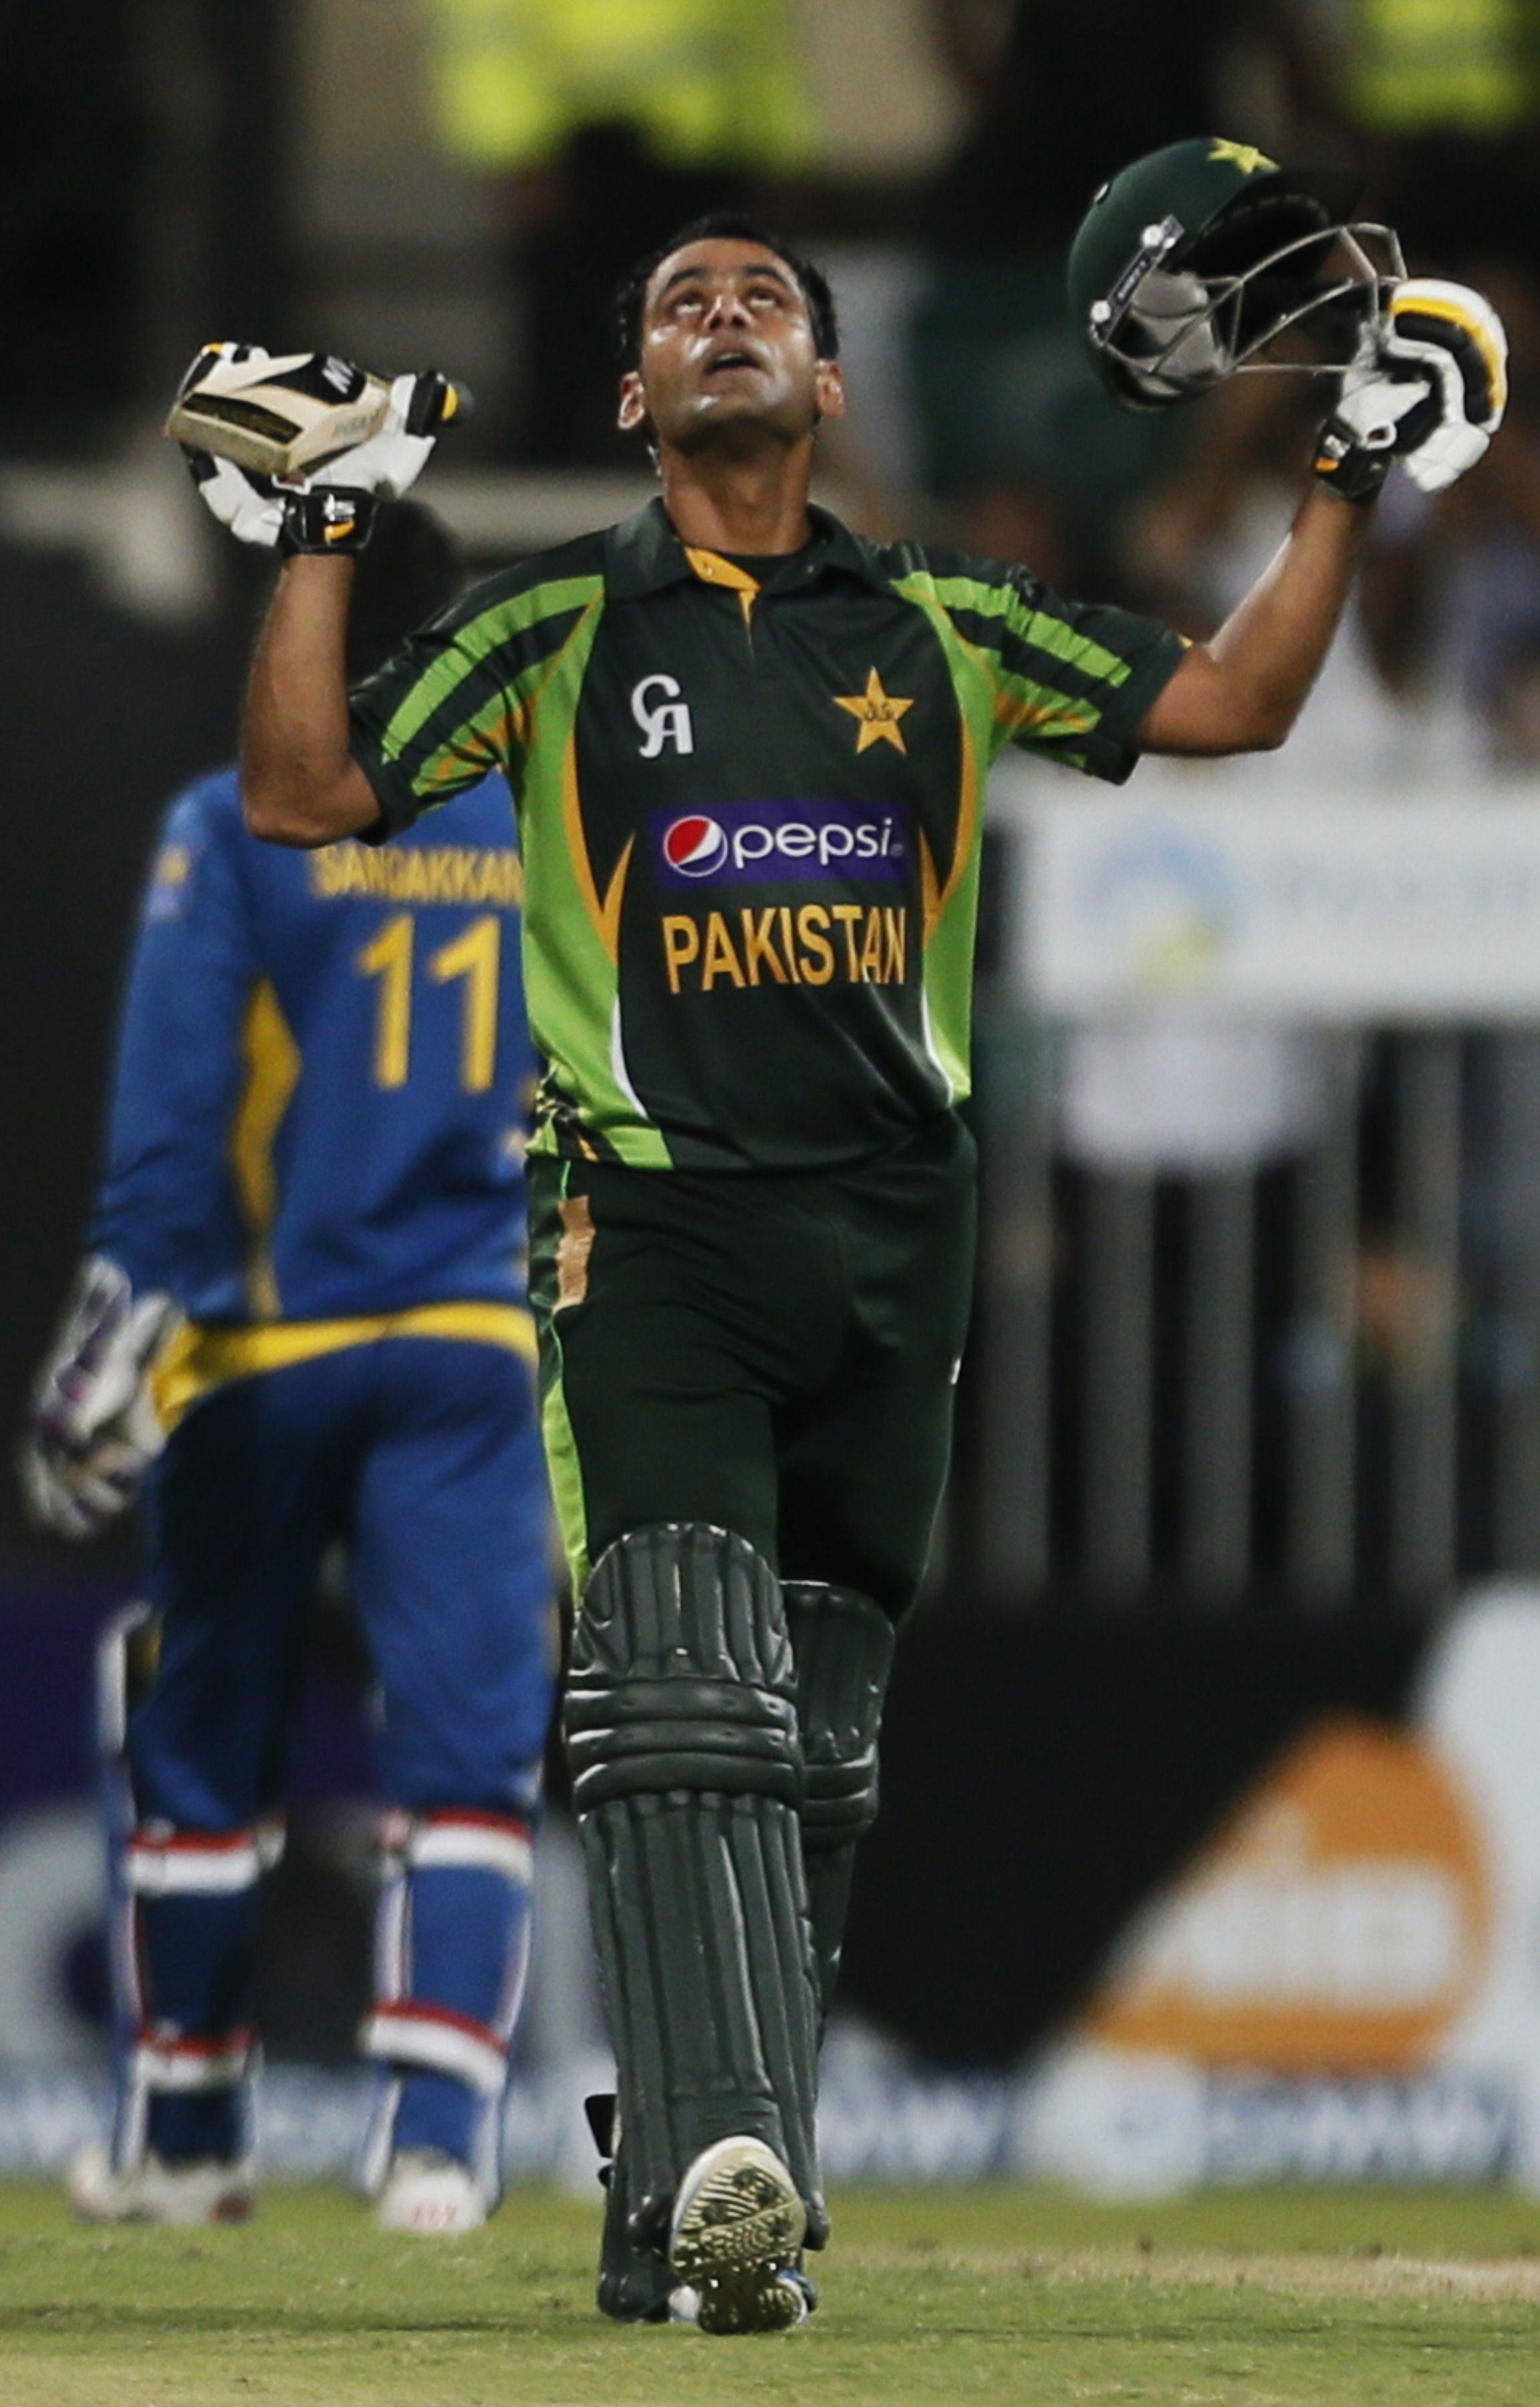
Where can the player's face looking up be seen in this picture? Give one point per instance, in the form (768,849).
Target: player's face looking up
(728,354)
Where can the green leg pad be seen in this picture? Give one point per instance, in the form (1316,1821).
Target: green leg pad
(843,1647)
(681,1727)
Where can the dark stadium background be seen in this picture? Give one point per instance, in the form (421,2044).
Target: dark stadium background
(1048,1760)
(1043,1770)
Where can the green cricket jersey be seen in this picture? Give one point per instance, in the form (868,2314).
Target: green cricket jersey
(750,816)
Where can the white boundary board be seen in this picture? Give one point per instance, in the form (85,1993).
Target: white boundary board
(1306,908)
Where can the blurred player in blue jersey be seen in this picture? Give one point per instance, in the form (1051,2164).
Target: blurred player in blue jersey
(306,1275)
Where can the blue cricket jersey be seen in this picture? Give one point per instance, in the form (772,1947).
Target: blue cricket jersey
(323,1079)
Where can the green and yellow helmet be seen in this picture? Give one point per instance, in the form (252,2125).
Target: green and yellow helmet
(1197,258)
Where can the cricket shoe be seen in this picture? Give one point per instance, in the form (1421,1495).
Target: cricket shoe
(152,2191)
(429,2192)
(738,2223)
(684,2302)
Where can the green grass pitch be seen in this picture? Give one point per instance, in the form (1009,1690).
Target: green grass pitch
(1340,2299)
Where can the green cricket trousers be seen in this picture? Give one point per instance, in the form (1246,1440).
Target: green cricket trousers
(773,1353)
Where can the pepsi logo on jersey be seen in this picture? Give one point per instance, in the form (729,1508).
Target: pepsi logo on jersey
(695,845)
(769,843)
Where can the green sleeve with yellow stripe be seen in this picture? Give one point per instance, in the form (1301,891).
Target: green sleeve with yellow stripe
(1070,680)
(464,695)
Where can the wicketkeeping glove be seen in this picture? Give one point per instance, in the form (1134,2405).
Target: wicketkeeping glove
(294,451)
(1428,387)
(94,1430)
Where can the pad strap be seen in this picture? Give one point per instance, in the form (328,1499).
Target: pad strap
(1348,466)
(435,2039)
(327,517)
(687,1776)
(458,1840)
(168,2059)
(160,1861)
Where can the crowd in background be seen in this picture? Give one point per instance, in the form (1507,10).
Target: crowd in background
(595,127)
(605,125)
(585,130)
(591,128)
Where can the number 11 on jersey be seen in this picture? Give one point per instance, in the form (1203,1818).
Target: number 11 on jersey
(475,956)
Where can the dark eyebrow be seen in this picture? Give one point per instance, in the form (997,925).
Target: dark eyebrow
(760,267)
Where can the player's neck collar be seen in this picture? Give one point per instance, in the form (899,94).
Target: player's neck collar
(643,555)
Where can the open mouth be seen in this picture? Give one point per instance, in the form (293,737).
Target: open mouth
(726,362)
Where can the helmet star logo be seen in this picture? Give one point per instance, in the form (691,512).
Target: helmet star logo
(879,714)
(1250,160)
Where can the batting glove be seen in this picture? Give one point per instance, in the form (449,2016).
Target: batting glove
(251,507)
(1428,387)
(94,1430)
(290,484)
(336,510)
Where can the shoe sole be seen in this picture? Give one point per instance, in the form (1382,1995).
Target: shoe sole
(739,2225)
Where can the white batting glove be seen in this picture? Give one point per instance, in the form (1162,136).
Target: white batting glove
(1457,338)
(251,507)
(333,511)
(294,450)
(392,459)
(240,498)
(1428,387)
(94,1430)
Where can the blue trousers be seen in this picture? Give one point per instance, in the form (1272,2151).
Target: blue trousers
(421,1457)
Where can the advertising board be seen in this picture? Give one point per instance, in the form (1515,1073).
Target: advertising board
(1345,1982)
(1315,907)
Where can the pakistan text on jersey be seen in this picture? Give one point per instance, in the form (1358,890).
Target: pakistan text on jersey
(812,944)
(443,873)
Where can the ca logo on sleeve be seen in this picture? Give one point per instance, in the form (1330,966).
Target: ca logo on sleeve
(664,720)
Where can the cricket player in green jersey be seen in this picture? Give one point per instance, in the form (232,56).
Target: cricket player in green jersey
(748,751)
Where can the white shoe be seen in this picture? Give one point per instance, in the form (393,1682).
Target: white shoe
(152,2191)
(738,2223)
(426,2191)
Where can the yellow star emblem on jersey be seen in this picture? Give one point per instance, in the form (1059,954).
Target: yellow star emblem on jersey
(879,714)
(1250,160)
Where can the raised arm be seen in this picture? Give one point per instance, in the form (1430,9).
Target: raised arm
(1243,690)
(300,784)
(1428,388)
(302,448)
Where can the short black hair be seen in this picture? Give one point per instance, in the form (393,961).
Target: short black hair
(722,225)
(411,569)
